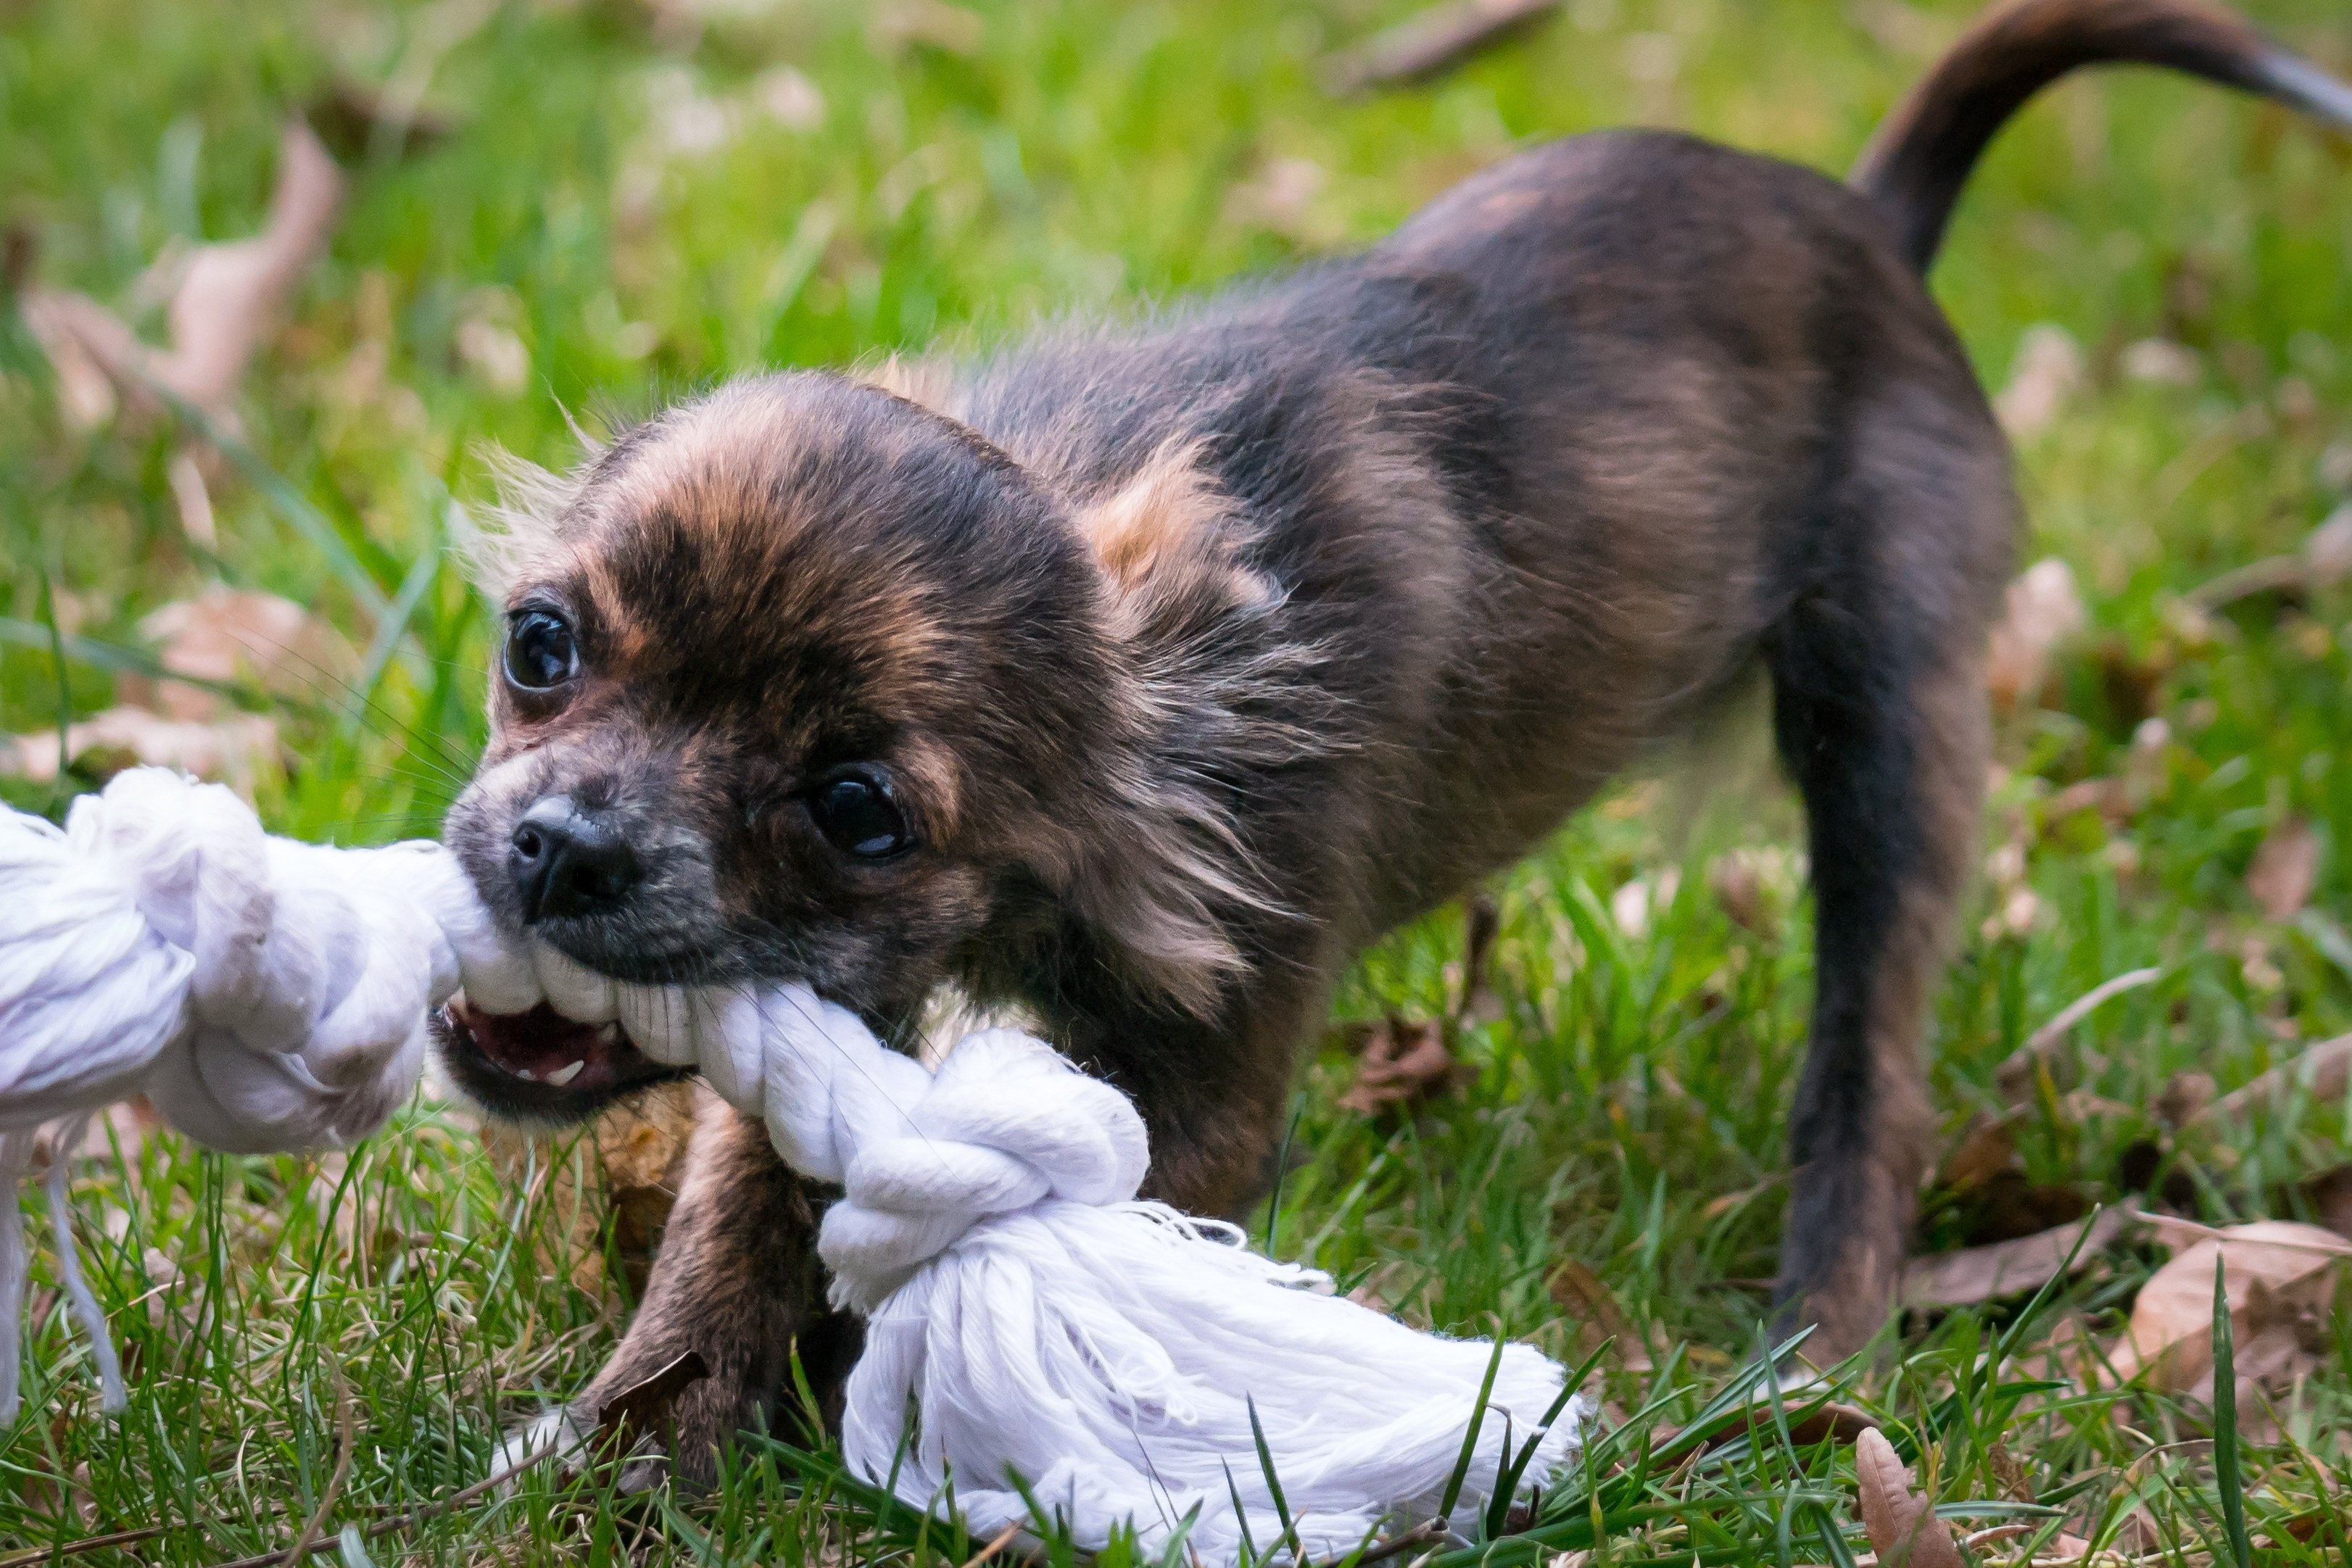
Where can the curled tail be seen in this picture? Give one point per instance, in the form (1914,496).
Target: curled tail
(1914,166)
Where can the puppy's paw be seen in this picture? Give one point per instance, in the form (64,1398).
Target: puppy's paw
(562,1438)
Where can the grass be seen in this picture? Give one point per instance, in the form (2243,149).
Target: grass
(613,202)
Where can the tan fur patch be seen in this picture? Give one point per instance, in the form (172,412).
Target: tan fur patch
(1166,530)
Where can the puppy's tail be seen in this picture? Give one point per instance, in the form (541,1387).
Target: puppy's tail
(1914,166)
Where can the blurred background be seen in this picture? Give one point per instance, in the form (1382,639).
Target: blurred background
(277,274)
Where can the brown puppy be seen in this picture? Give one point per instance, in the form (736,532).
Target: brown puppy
(1140,677)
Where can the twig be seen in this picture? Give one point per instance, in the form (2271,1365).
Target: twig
(1428,42)
(2014,1076)
(89,1543)
(1428,1529)
(454,1501)
(997,1543)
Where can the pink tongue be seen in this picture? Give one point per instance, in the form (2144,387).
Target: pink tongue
(540,1041)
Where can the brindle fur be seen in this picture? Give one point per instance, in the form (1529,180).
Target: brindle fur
(1208,649)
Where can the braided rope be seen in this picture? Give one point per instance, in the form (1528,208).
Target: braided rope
(1028,1321)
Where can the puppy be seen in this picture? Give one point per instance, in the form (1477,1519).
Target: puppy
(1140,677)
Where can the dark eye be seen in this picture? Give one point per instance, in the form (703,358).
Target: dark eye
(540,651)
(855,811)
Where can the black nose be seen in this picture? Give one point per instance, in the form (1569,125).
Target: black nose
(567,862)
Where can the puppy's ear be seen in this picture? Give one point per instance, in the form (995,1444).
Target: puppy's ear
(1170,545)
(1205,672)
(499,548)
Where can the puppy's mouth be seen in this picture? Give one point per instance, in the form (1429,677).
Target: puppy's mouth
(540,1065)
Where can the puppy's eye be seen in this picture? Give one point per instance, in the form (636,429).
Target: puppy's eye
(855,811)
(540,654)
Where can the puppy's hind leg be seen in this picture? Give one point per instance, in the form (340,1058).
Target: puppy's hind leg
(1879,710)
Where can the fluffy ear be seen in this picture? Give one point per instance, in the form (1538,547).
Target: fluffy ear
(521,525)
(1169,542)
(1211,691)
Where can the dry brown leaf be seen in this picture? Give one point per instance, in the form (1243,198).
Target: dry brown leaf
(1431,41)
(60,323)
(2049,368)
(1404,1062)
(2286,869)
(233,293)
(1988,1148)
(234,748)
(932,23)
(231,634)
(2273,1270)
(2325,1071)
(1900,1523)
(2041,611)
(2007,1267)
(227,297)
(1577,1290)
(636,1151)
(1281,198)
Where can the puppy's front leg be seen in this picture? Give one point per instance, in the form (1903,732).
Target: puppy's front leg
(737,1279)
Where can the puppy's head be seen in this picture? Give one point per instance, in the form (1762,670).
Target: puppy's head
(798,681)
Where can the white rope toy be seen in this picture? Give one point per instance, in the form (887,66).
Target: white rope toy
(1026,1313)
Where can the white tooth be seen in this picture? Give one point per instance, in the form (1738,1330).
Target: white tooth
(574,990)
(659,1023)
(564,1075)
(610,1034)
(526,1074)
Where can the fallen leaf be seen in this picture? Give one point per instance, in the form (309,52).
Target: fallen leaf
(1753,885)
(647,1407)
(1404,1062)
(2272,1269)
(1577,1290)
(1989,1148)
(636,1161)
(2328,549)
(232,293)
(788,98)
(1979,1274)
(228,635)
(2041,611)
(929,22)
(2184,1097)
(2049,368)
(1281,198)
(227,296)
(233,749)
(2284,870)
(1431,41)
(2325,1072)
(1900,1523)
(2164,362)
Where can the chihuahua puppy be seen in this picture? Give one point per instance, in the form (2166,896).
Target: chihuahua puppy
(1140,677)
